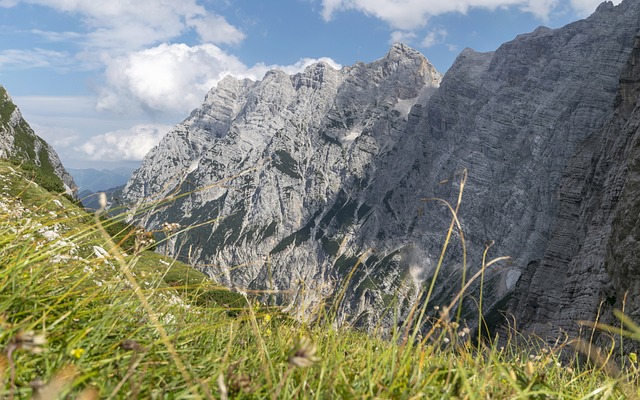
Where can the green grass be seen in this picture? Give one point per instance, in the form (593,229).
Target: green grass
(144,326)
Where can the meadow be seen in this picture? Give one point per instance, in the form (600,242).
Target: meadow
(88,311)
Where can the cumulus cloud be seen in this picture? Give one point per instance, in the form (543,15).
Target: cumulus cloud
(175,78)
(434,37)
(34,58)
(408,15)
(402,37)
(125,144)
(586,7)
(117,24)
(165,78)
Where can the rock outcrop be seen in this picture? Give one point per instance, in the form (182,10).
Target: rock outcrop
(296,182)
(19,143)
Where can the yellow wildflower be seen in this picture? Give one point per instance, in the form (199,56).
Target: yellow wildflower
(77,353)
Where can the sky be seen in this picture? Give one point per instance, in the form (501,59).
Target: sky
(104,81)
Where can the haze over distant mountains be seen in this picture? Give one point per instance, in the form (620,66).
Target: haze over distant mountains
(96,180)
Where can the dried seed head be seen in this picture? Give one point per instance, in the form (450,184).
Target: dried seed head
(303,353)
(170,227)
(530,369)
(30,341)
(131,344)
(37,384)
(102,200)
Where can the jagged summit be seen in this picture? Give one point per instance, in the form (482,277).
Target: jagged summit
(311,136)
(400,50)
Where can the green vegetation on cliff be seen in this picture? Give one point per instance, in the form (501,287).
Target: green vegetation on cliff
(29,151)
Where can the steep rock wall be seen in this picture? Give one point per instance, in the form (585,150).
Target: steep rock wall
(590,266)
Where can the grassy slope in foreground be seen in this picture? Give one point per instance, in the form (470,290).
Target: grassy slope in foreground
(71,322)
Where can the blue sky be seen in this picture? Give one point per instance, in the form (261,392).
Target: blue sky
(103,81)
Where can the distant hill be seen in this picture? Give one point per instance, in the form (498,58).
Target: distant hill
(100,180)
(90,200)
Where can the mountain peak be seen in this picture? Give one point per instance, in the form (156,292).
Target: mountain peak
(400,50)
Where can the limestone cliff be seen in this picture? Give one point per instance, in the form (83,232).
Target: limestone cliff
(278,166)
(590,266)
(513,118)
(19,143)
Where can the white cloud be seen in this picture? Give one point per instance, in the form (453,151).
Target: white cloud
(409,15)
(54,36)
(434,37)
(586,7)
(35,58)
(216,29)
(402,37)
(120,25)
(124,144)
(165,78)
(175,78)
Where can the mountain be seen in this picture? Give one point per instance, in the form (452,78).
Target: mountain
(19,143)
(591,262)
(97,180)
(513,118)
(276,164)
(297,182)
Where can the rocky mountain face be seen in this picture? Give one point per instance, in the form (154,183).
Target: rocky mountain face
(513,119)
(277,167)
(592,256)
(295,183)
(19,143)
